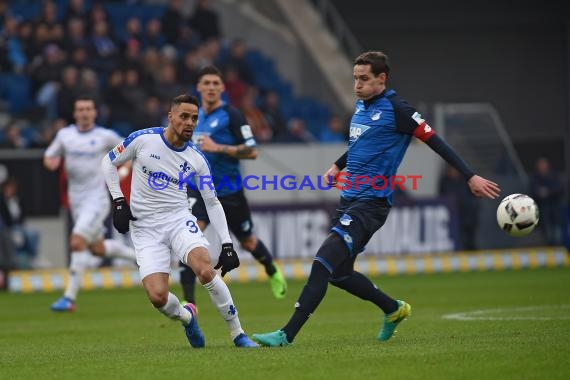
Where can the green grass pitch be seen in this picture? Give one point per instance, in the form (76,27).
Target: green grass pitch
(116,334)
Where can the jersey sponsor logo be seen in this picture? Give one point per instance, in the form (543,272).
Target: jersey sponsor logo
(376,115)
(246,132)
(418,118)
(152,155)
(214,123)
(356,130)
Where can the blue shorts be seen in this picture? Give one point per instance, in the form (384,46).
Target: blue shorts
(357,220)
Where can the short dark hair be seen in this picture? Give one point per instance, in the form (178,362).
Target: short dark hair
(377,60)
(210,70)
(184,98)
(87,98)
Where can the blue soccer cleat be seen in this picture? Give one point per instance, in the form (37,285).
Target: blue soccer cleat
(193,332)
(63,304)
(243,341)
(392,320)
(273,339)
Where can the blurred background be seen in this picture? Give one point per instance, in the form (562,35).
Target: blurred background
(491,77)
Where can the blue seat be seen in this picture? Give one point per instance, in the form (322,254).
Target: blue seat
(15,89)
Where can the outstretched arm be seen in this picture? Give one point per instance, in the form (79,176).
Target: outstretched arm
(410,122)
(480,187)
(483,188)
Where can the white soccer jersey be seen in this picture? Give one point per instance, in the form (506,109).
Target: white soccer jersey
(83,152)
(160,173)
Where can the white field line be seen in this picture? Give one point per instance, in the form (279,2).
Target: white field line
(487,314)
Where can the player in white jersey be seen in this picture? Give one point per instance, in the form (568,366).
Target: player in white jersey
(83,144)
(164,163)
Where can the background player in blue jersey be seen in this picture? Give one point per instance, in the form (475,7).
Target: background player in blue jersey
(224,136)
(380,132)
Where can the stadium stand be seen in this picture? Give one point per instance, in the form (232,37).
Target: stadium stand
(125,47)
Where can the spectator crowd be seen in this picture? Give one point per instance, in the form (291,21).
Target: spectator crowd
(132,70)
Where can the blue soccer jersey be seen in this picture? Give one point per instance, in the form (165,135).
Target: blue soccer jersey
(380,132)
(225,125)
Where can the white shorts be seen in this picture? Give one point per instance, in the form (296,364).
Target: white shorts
(154,244)
(89,218)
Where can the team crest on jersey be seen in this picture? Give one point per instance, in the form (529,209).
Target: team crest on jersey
(184,167)
(345,220)
(214,123)
(376,115)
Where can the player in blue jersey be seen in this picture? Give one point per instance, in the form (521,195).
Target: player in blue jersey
(224,137)
(380,132)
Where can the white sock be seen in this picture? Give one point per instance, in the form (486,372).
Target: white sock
(114,248)
(222,299)
(79,262)
(174,310)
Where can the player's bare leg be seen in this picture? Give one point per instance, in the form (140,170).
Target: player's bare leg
(156,286)
(112,248)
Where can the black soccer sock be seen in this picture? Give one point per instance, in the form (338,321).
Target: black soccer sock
(262,255)
(310,298)
(360,286)
(188,282)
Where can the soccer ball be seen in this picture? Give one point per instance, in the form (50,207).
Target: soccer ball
(517,215)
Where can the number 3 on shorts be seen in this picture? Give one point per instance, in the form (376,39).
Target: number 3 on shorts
(192,227)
